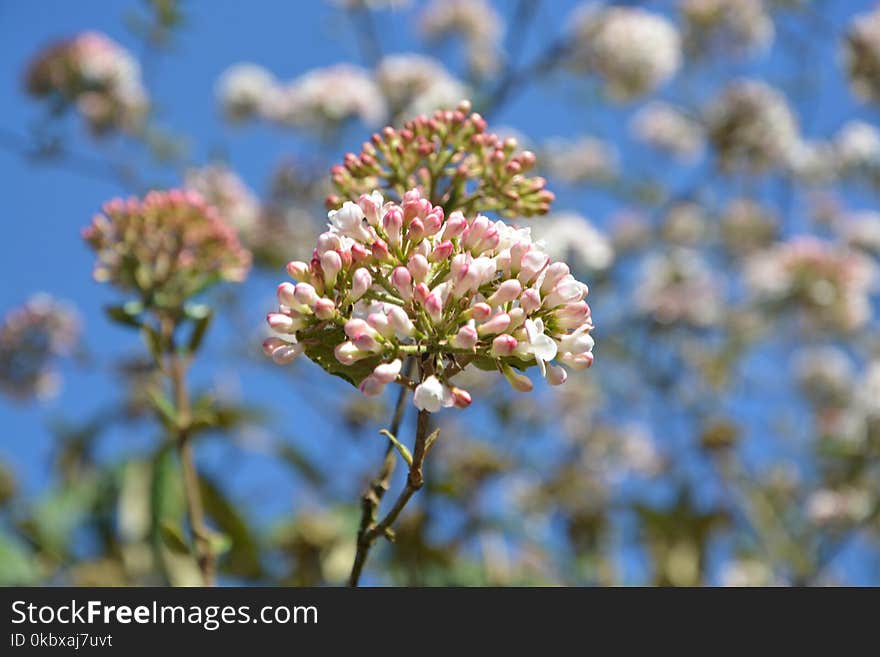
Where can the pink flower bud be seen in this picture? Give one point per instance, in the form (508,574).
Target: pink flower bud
(286,295)
(347,353)
(556,375)
(466,338)
(280,351)
(371,205)
(400,322)
(532,264)
(328,242)
(387,372)
(441,252)
(299,271)
(361,281)
(418,266)
(379,251)
(517,251)
(416,231)
(503,345)
(555,273)
(331,265)
(434,307)
(367,342)
(460,398)
(506,292)
(371,387)
(475,232)
(378,321)
(577,361)
(479,311)
(392,222)
(494,325)
(284,323)
(530,301)
(572,315)
(305,294)
(433,221)
(421,293)
(517,317)
(359,253)
(355,327)
(401,279)
(455,225)
(325,308)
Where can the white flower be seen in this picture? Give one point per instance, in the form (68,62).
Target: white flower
(541,346)
(349,220)
(431,395)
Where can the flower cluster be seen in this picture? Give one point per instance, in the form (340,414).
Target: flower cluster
(168,246)
(321,99)
(668,128)
(452,155)
(96,75)
(415,84)
(633,50)
(388,281)
(751,126)
(832,284)
(737,24)
(679,287)
(862,56)
(31,336)
(478,24)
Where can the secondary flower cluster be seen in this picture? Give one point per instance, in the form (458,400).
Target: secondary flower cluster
(751,126)
(388,281)
(321,99)
(30,337)
(862,56)
(633,50)
(168,246)
(832,284)
(453,156)
(476,22)
(668,128)
(97,75)
(415,84)
(730,24)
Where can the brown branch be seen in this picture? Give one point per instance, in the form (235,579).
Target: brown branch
(370,529)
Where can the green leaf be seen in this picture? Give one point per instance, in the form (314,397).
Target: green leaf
(401,448)
(242,558)
(323,355)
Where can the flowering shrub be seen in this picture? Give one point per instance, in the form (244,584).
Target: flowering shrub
(389,281)
(96,75)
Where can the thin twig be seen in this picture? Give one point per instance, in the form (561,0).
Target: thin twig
(370,530)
